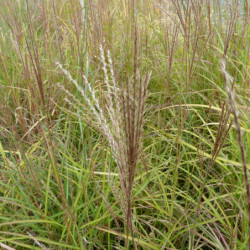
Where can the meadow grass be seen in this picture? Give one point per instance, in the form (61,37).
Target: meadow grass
(124,124)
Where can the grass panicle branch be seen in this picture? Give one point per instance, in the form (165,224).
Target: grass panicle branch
(232,105)
(123,132)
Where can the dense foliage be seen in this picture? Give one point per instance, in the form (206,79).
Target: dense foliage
(124,124)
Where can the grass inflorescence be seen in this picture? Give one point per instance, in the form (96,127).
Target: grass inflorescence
(124,124)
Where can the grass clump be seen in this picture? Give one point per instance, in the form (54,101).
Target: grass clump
(124,124)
